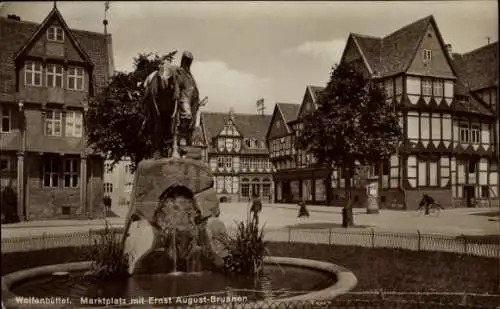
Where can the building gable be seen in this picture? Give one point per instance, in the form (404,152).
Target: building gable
(229,128)
(308,104)
(431,45)
(354,54)
(277,126)
(40,46)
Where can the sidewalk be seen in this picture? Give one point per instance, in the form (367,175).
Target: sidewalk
(63,223)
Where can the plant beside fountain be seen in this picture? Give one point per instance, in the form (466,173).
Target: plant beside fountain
(247,249)
(108,260)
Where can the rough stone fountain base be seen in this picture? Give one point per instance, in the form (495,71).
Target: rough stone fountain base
(345,282)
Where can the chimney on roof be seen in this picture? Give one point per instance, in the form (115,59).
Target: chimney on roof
(14,17)
(449,50)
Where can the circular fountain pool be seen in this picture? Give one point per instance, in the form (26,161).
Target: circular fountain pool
(284,279)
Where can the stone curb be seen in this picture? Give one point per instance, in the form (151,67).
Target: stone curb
(346,281)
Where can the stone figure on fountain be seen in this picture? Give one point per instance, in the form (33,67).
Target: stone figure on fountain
(172,220)
(172,107)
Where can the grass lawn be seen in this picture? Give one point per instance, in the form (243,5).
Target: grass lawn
(375,268)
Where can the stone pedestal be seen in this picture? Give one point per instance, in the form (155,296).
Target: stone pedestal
(173,194)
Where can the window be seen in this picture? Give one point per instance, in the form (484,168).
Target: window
(55,33)
(75,78)
(464,132)
(108,167)
(71,173)
(220,162)
(427,55)
(426,86)
(485,192)
(33,74)
(74,124)
(54,76)
(8,163)
(228,162)
(472,166)
(245,189)
(6,118)
(475,134)
(53,123)
(229,143)
(258,144)
(220,143)
(108,187)
(128,187)
(438,88)
(51,170)
(248,143)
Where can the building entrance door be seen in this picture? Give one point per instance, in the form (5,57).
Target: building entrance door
(287,192)
(469,195)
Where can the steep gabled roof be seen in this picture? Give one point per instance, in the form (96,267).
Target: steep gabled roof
(315,92)
(289,111)
(53,15)
(249,126)
(478,68)
(393,54)
(14,35)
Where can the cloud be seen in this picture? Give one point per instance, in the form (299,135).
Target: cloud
(227,87)
(330,51)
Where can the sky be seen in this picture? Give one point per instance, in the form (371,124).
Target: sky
(249,50)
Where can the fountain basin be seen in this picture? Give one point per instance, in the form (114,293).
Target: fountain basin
(342,281)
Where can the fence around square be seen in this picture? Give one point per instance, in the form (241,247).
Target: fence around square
(486,247)
(353,300)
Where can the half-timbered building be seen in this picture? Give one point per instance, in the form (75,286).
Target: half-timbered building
(47,74)
(297,177)
(236,150)
(448,109)
(474,173)
(449,133)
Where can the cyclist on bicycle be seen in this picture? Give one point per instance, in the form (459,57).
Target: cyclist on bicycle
(427,201)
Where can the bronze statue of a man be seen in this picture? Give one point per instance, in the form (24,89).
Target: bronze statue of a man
(172,100)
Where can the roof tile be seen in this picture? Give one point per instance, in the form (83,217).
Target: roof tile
(393,53)
(249,125)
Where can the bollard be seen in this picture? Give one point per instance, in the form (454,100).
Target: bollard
(373,238)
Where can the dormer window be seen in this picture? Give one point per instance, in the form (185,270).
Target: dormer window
(55,34)
(75,78)
(248,143)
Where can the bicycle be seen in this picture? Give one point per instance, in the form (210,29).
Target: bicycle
(434,209)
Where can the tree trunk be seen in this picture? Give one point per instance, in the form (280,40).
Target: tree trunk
(347,214)
(329,191)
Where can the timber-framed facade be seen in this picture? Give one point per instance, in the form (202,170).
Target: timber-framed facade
(448,109)
(235,148)
(48,74)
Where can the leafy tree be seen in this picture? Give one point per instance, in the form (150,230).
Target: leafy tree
(115,116)
(353,125)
